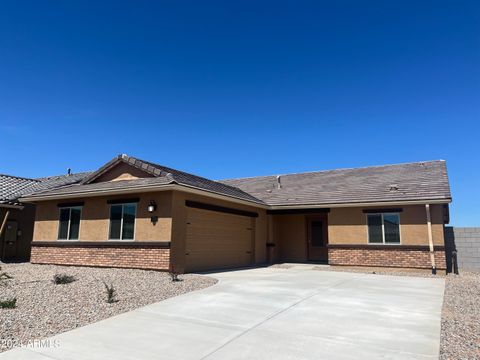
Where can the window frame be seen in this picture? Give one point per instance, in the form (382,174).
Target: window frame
(383,229)
(121,221)
(60,208)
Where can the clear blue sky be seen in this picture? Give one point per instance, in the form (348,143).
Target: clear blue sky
(230,89)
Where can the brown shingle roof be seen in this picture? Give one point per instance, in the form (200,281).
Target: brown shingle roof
(390,183)
(82,189)
(401,182)
(162,176)
(13,187)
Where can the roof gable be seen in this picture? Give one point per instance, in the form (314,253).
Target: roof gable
(121,171)
(122,167)
(160,176)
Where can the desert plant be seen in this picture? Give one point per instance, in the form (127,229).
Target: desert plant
(111,293)
(174,277)
(4,277)
(8,303)
(60,279)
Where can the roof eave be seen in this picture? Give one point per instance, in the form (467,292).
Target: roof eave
(17,206)
(357,204)
(192,189)
(140,189)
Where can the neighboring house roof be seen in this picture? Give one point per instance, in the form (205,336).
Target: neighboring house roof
(85,189)
(401,182)
(13,187)
(390,183)
(162,175)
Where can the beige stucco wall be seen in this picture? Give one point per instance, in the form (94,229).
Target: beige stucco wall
(94,225)
(290,237)
(348,225)
(287,232)
(171,225)
(122,171)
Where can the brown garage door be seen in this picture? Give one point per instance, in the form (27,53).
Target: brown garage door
(217,240)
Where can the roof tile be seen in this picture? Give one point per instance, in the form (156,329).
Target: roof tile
(414,181)
(13,187)
(389,183)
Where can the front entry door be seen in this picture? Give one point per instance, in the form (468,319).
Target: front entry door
(10,241)
(317,238)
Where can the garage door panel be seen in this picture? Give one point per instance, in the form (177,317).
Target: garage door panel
(217,217)
(217,240)
(208,244)
(219,247)
(206,236)
(214,228)
(202,261)
(213,231)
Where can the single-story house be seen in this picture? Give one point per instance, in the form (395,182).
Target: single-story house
(17,218)
(134,213)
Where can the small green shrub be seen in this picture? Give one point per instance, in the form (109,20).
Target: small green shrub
(60,279)
(8,304)
(111,293)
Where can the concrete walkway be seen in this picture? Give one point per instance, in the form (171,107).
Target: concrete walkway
(268,313)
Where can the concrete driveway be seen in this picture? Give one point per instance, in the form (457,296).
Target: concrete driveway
(267,313)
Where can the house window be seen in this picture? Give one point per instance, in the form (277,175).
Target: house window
(383,228)
(122,221)
(69,223)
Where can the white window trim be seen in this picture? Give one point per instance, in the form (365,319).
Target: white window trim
(69,221)
(121,222)
(383,229)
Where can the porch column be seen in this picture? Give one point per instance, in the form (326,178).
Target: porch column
(430,239)
(4,222)
(270,241)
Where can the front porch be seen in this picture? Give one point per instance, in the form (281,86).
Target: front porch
(401,237)
(298,236)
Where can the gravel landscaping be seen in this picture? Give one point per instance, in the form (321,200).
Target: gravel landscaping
(461,317)
(45,309)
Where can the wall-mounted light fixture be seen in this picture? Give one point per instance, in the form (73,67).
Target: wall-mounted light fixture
(152,206)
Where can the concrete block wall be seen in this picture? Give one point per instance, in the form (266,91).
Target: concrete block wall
(466,240)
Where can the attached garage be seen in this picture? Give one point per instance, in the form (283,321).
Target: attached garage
(218,239)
